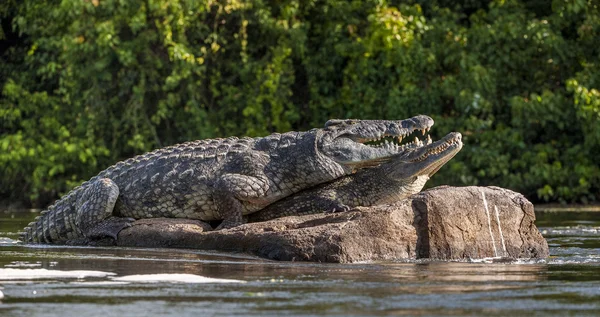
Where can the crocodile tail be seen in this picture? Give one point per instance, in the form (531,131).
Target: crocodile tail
(54,225)
(30,233)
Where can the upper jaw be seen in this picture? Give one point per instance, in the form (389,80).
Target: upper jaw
(363,131)
(344,140)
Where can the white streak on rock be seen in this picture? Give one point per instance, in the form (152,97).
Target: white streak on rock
(487,212)
(500,229)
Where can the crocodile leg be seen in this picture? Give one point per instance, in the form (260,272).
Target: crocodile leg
(298,206)
(94,211)
(231,190)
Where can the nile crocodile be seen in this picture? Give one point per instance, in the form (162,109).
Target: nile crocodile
(217,179)
(403,175)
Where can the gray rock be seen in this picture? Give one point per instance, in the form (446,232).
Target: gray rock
(444,223)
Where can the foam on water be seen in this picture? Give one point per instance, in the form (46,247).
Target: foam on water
(10,274)
(172,278)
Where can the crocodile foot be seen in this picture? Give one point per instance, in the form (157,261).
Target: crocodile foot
(229,224)
(108,228)
(338,207)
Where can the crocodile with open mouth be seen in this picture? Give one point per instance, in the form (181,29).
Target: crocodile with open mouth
(217,179)
(402,175)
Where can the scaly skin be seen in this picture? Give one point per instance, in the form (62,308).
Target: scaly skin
(216,179)
(403,175)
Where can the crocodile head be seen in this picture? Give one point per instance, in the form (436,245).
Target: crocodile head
(423,159)
(356,144)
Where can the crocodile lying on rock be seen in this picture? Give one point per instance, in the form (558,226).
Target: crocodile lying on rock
(217,179)
(403,175)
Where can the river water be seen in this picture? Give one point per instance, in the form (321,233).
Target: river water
(83,281)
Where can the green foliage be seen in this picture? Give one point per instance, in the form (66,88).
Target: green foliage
(40,152)
(88,83)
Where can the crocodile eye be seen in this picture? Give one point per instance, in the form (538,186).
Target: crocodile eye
(333,122)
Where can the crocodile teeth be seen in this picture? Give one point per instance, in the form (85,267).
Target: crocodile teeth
(418,142)
(429,140)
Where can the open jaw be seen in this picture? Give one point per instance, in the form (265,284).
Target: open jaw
(367,143)
(429,158)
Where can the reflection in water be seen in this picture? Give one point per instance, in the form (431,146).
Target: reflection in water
(486,272)
(565,284)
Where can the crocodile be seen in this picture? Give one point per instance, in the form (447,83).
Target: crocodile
(403,175)
(217,179)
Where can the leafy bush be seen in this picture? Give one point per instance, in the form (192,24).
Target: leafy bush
(107,79)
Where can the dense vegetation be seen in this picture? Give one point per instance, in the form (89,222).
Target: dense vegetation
(86,83)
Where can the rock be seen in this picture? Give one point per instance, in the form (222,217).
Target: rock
(444,223)
(162,233)
(453,224)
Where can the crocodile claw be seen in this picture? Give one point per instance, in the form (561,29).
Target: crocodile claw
(339,207)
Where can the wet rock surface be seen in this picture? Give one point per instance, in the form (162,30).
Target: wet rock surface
(443,223)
